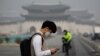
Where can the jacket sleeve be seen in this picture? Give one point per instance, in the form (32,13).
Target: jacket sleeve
(37,44)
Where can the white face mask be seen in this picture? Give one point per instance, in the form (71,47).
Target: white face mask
(47,34)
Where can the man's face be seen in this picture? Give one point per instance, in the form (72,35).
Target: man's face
(47,32)
(65,32)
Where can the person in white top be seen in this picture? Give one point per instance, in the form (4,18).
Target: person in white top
(47,28)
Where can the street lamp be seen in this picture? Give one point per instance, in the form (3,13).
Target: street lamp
(93,25)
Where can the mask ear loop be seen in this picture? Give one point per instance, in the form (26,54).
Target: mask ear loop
(50,31)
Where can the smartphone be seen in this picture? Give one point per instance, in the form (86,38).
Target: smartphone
(58,49)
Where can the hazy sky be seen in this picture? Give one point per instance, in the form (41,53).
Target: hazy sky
(13,7)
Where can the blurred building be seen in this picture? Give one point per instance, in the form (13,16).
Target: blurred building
(59,13)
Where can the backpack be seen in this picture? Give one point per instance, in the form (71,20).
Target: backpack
(25,45)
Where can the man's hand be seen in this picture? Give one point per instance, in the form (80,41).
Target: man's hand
(53,50)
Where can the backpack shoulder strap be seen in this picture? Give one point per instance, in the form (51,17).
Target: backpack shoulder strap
(38,34)
(32,48)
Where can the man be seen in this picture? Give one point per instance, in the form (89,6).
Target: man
(47,28)
(66,41)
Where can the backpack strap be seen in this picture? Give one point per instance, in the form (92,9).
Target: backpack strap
(31,47)
(38,34)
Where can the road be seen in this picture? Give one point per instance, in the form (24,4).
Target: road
(77,48)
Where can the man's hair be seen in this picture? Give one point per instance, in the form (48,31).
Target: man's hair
(65,31)
(51,25)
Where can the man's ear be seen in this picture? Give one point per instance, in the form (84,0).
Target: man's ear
(46,28)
